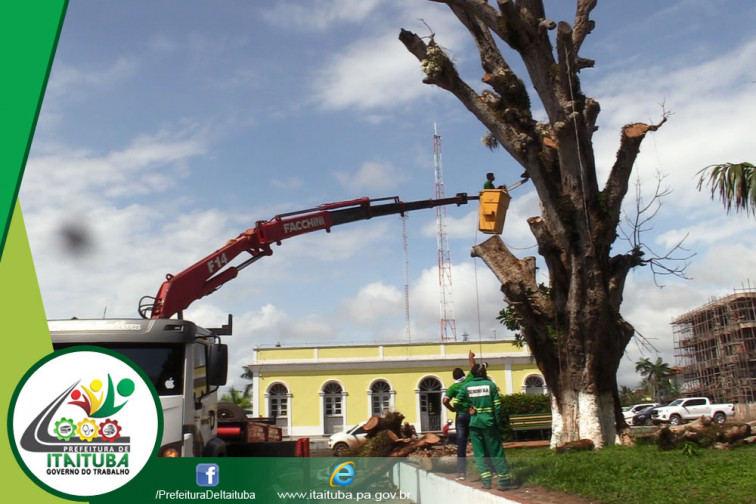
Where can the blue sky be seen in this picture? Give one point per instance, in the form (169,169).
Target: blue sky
(169,127)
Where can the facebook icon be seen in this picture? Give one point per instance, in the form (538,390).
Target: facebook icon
(207,475)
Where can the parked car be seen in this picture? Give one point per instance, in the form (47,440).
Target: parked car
(631,411)
(643,417)
(687,409)
(353,437)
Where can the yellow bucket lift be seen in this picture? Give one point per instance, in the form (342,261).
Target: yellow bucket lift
(492,210)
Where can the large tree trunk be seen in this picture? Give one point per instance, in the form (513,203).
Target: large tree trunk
(578,352)
(575,330)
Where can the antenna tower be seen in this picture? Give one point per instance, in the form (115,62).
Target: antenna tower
(448,324)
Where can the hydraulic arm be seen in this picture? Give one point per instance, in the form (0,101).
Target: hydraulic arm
(207,275)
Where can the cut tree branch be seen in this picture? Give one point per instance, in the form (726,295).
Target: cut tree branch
(517,278)
(632,136)
(583,26)
(440,71)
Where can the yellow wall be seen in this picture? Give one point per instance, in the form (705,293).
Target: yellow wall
(351,352)
(288,354)
(387,363)
(305,387)
(449,350)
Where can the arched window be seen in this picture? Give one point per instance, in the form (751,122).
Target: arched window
(278,400)
(429,395)
(278,405)
(380,397)
(333,397)
(430,384)
(535,385)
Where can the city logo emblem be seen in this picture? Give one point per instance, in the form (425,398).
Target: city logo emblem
(84,422)
(208,475)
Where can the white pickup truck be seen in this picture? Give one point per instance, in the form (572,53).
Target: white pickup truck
(686,409)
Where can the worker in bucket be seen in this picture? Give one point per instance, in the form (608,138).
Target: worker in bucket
(488,184)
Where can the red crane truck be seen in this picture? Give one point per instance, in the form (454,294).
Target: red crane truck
(188,363)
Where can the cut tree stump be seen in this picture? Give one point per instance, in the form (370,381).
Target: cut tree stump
(384,438)
(427,439)
(391,422)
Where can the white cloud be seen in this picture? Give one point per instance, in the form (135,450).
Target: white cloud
(710,102)
(374,302)
(475,301)
(66,78)
(319,16)
(370,74)
(65,176)
(376,72)
(372,177)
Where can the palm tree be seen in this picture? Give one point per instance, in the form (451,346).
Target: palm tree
(247,374)
(735,183)
(656,375)
(241,399)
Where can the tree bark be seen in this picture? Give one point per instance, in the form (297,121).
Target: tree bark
(426,440)
(575,331)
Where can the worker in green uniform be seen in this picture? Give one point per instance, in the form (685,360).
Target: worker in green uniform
(462,420)
(488,184)
(485,415)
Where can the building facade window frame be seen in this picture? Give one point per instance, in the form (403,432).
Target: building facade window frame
(333,406)
(278,400)
(380,393)
(530,386)
(428,403)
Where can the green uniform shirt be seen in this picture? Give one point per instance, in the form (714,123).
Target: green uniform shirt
(482,394)
(452,391)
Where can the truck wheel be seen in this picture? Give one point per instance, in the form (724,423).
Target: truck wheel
(340,449)
(675,419)
(215,448)
(719,417)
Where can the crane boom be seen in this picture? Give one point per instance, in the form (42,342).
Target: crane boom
(207,275)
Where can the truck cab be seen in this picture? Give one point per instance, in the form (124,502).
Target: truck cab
(185,363)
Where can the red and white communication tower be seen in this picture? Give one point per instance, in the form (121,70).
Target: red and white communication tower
(448,324)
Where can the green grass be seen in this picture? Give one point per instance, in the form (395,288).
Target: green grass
(642,474)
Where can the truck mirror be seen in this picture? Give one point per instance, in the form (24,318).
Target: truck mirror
(217,364)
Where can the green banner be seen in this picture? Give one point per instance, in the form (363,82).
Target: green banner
(292,480)
(29,33)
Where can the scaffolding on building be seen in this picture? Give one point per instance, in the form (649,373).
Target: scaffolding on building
(715,345)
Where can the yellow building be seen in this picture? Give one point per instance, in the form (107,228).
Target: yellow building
(318,390)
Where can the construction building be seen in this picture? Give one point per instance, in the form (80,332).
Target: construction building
(715,345)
